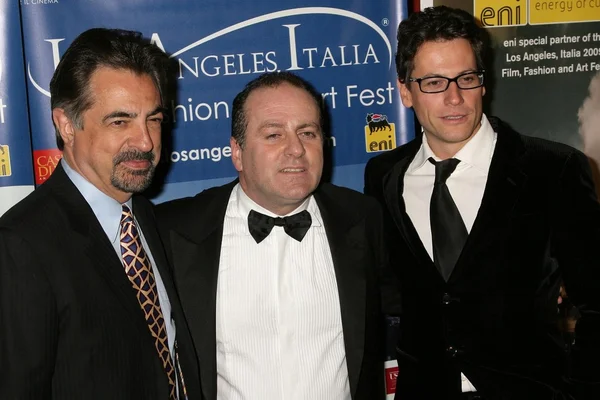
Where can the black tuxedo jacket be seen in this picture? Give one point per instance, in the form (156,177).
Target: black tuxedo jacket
(192,229)
(70,324)
(495,318)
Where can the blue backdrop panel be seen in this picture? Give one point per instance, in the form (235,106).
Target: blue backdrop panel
(16,174)
(345,49)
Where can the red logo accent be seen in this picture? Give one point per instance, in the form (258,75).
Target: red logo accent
(390,379)
(45,162)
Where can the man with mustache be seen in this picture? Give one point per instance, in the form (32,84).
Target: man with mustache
(277,272)
(87,307)
(483,223)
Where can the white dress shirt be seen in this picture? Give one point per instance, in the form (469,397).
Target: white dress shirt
(108,212)
(466,185)
(278,324)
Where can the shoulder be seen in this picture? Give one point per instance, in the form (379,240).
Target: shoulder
(345,198)
(535,156)
(548,149)
(208,201)
(391,157)
(538,148)
(35,211)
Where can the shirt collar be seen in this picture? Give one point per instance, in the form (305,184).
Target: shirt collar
(108,211)
(245,204)
(477,152)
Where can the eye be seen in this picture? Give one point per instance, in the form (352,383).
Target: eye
(156,120)
(272,136)
(433,82)
(118,122)
(308,134)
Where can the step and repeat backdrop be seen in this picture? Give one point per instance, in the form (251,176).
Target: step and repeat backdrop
(16,167)
(344,48)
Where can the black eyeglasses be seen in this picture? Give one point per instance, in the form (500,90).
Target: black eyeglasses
(438,84)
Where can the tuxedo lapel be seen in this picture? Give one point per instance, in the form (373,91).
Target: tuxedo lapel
(503,188)
(345,231)
(196,249)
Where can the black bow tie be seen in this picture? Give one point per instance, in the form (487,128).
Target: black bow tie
(261,225)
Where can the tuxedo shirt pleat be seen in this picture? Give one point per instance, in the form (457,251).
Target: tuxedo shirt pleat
(279,329)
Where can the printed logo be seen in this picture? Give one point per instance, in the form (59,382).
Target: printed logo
(391,375)
(380,135)
(5,169)
(493,13)
(45,162)
(195,63)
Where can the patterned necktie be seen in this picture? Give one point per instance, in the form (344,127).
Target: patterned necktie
(296,225)
(139,271)
(448,231)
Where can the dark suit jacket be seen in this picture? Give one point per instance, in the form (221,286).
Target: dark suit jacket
(70,324)
(495,318)
(192,229)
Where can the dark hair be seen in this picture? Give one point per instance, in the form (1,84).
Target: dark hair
(272,80)
(100,47)
(435,24)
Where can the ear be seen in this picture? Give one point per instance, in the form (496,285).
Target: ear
(236,154)
(483,92)
(64,125)
(405,95)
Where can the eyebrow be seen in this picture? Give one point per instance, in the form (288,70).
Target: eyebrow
(125,114)
(309,125)
(272,124)
(466,71)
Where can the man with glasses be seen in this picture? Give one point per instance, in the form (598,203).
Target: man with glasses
(483,224)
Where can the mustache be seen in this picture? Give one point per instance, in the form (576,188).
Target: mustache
(133,155)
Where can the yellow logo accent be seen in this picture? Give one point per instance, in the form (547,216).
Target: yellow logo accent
(380,135)
(493,13)
(5,161)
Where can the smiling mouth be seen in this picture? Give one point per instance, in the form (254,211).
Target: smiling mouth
(292,170)
(453,117)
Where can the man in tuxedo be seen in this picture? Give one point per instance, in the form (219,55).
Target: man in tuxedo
(88,309)
(483,224)
(277,274)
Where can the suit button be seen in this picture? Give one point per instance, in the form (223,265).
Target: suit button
(454,352)
(446,299)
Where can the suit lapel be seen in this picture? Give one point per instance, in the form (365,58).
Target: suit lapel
(503,187)
(393,186)
(88,235)
(196,250)
(144,216)
(147,221)
(345,231)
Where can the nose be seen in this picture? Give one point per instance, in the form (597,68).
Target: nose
(294,146)
(453,95)
(141,138)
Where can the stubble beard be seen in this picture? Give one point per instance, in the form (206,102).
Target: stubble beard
(132,180)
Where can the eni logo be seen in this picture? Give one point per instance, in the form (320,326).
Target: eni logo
(5,169)
(494,13)
(380,134)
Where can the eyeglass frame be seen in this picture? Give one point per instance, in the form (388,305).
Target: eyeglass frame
(449,80)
